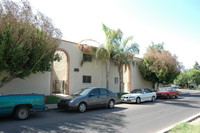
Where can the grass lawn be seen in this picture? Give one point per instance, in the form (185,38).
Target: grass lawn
(185,128)
(52,99)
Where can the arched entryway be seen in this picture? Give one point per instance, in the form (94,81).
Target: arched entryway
(60,74)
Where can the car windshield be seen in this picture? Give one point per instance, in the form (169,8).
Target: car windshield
(163,89)
(136,91)
(81,92)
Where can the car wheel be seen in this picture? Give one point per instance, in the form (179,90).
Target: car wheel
(176,96)
(82,107)
(22,113)
(111,104)
(167,96)
(138,100)
(153,98)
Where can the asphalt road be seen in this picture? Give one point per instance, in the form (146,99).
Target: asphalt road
(148,117)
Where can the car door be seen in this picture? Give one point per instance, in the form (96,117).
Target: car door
(94,98)
(143,95)
(172,92)
(103,96)
(149,94)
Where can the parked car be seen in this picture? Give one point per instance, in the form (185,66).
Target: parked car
(87,98)
(167,92)
(138,96)
(21,105)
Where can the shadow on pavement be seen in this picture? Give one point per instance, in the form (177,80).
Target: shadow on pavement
(97,120)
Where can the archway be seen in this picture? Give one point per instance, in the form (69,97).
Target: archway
(60,74)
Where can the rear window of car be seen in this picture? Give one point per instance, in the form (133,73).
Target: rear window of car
(109,92)
(136,91)
(103,92)
(164,89)
(147,90)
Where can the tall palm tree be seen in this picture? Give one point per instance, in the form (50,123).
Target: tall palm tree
(123,55)
(105,51)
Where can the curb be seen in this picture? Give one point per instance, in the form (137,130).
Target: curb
(190,119)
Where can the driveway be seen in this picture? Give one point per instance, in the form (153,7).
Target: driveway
(148,117)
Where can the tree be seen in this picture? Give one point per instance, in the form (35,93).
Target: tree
(182,79)
(123,55)
(104,51)
(194,76)
(153,46)
(159,66)
(28,41)
(196,66)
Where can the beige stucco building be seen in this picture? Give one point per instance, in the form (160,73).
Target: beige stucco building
(76,70)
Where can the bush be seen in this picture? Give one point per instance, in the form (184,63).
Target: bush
(52,99)
(120,94)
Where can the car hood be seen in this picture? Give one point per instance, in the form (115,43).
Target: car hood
(70,97)
(131,95)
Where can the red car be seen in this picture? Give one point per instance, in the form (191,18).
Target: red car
(167,92)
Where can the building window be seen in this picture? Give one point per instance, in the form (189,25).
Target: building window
(87,79)
(87,57)
(116,80)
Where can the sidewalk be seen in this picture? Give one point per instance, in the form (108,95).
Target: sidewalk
(51,106)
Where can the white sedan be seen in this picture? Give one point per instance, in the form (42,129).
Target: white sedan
(139,95)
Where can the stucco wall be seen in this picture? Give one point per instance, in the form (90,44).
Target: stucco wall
(137,81)
(113,74)
(43,82)
(36,83)
(95,69)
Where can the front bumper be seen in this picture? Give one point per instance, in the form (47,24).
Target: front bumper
(128,100)
(66,106)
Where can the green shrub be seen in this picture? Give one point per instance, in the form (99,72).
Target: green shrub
(120,94)
(52,99)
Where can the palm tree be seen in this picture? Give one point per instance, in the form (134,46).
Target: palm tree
(123,55)
(105,51)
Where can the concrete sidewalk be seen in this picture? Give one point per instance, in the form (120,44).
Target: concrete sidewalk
(51,106)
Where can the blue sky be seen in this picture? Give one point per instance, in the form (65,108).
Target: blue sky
(174,22)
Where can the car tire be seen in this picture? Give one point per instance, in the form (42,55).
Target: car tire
(82,107)
(176,96)
(138,100)
(111,104)
(153,98)
(22,113)
(167,97)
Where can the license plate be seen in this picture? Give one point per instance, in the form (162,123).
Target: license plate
(125,99)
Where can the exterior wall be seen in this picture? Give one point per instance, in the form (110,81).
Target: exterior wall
(95,69)
(36,83)
(113,74)
(44,82)
(127,79)
(59,74)
(137,81)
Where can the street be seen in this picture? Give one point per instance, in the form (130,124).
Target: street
(148,117)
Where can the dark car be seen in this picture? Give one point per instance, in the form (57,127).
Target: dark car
(88,98)
(167,92)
